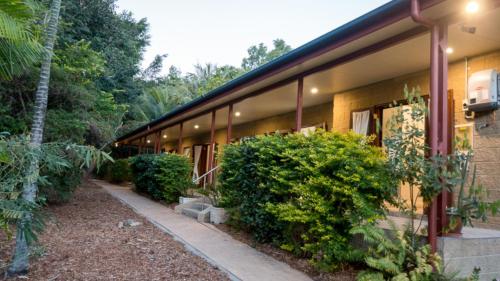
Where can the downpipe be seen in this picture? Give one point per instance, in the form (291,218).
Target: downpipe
(434,28)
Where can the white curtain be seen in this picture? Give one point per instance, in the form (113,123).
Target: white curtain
(308,130)
(197,155)
(360,121)
(187,152)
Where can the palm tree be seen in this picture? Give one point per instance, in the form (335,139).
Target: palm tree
(20,260)
(18,47)
(157,101)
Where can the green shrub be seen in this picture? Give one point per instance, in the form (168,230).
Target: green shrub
(143,175)
(174,175)
(306,193)
(163,177)
(119,171)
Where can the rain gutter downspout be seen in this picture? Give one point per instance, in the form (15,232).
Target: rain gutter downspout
(434,89)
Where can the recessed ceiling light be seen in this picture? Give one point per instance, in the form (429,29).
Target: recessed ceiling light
(164,136)
(314,91)
(237,114)
(472,7)
(449,50)
(148,141)
(197,126)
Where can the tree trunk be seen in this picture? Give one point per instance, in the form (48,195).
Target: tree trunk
(20,261)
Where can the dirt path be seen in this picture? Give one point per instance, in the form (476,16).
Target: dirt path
(85,243)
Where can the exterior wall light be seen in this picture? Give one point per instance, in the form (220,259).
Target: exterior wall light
(237,114)
(196,127)
(314,91)
(148,141)
(472,7)
(449,50)
(164,136)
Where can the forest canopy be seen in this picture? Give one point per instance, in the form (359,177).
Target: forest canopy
(97,85)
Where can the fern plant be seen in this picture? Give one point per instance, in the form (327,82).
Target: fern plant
(394,258)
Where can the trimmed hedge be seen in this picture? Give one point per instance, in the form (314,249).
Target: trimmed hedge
(306,193)
(174,175)
(163,177)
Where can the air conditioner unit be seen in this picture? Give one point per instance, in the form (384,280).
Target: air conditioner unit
(483,91)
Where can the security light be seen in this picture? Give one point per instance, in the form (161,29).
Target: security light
(472,7)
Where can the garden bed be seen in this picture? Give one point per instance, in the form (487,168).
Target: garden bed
(84,242)
(301,264)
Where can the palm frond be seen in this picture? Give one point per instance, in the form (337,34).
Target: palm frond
(18,48)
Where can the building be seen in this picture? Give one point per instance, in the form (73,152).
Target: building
(345,79)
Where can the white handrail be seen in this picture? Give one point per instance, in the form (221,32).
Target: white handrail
(196,181)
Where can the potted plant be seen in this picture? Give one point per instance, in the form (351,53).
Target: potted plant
(471,204)
(218,214)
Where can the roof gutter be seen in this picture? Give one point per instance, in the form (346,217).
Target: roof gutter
(417,17)
(389,13)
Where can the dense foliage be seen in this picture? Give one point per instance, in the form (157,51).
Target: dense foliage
(60,167)
(394,257)
(174,175)
(97,85)
(59,185)
(143,175)
(117,172)
(163,177)
(306,192)
(162,94)
(86,89)
(19,47)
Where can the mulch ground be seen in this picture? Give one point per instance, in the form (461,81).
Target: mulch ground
(84,242)
(301,264)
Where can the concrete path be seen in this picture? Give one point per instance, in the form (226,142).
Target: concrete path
(237,259)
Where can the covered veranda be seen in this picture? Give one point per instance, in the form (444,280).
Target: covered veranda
(431,44)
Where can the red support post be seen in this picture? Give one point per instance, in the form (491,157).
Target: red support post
(140,146)
(211,152)
(179,145)
(440,144)
(229,124)
(439,140)
(157,143)
(445,145)
(300,97)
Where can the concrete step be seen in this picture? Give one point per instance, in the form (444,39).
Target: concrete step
(190,212)
(196,210)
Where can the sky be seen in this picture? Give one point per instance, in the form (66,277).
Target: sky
(221,31)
